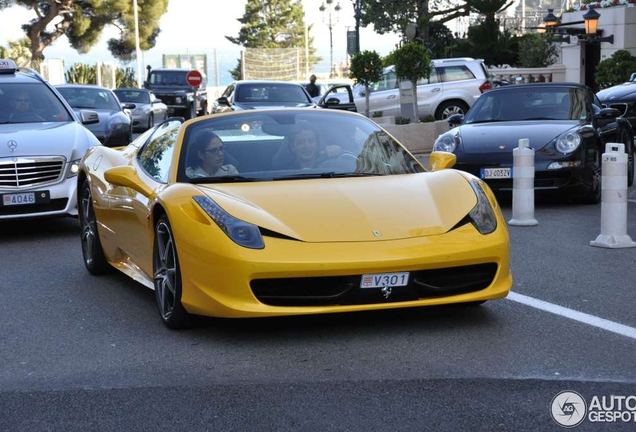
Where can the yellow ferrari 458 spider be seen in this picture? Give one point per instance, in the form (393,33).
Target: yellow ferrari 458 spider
(288,212)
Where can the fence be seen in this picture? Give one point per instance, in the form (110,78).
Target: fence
(554,73)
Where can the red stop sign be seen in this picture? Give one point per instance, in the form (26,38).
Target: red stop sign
(194,78)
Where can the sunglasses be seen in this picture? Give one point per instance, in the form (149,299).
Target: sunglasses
(216,150)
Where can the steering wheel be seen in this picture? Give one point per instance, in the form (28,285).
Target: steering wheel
(343,160)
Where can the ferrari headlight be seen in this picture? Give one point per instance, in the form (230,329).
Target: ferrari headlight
(568,142)
(482,215)
(74,168)
(241,232)
(447,142)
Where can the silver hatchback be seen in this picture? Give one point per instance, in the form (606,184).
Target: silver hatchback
(452,88)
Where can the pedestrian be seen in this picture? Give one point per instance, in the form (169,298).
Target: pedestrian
(312,88)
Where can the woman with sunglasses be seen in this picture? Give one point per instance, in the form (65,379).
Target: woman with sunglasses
(209,151)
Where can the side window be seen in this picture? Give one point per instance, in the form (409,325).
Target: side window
(156,155)
(432,79)
(457,73)
(388,82)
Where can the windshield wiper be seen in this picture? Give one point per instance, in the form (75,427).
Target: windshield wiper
(223,179)
(355,174)
(330,174)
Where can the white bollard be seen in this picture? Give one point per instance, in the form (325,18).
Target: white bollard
(523,185)
(614,199)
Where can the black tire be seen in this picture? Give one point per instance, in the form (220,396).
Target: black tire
(629,149)
(167,277)
(92,251)
(151,121)
(593,196)
(448,108)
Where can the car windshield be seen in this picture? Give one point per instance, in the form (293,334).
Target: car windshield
(133,96)
(287,145)
(30,103)
(90,98)
(271,93)
(169,78)
(540,103)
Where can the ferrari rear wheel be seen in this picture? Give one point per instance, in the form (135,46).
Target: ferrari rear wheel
(92,251)
(167,277)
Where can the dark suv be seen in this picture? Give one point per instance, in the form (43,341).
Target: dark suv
(171,87)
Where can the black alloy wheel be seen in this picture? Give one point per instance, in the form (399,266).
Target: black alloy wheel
(449,108)
(92,251)
(167,277)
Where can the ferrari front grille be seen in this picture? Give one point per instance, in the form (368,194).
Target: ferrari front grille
(26,172)
(345,290)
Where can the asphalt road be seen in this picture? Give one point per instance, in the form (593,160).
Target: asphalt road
(84,353)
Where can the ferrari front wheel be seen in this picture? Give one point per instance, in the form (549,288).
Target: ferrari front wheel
(92,251)
(167,277)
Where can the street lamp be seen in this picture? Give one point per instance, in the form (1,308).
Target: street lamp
(591,18)
(327,6)
(137,47)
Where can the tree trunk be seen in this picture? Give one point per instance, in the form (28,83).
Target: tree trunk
(416,114)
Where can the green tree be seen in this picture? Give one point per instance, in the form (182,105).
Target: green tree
(393,16)
(536,51)
(273,24)
(365,69)
(615,69)
(412,63)
(19,52)
(83,21)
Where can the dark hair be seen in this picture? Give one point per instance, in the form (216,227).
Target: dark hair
(303,126)
(204,139)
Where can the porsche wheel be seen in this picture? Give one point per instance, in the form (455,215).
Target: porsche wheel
(167,277)
(92,251)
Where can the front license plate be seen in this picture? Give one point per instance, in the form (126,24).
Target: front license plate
(26,198)
(380,280)
(496,173)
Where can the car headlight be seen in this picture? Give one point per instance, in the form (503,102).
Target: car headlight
(241,232)
(568,142)
(447,142)
(482,215)
(73,168)
(178,99)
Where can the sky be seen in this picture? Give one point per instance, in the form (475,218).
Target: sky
(200,27)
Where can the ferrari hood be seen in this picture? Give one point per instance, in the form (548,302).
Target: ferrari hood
(351,209)
(490,137)
(68,139)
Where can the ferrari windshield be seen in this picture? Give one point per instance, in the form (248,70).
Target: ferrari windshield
(289,144)
(540,103)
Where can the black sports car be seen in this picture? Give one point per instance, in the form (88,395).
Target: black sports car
(115,126)
(566,126)
(623,98)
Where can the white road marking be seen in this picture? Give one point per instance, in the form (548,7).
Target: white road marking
(592,320)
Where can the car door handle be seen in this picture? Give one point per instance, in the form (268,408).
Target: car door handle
(391,97)
(435,90)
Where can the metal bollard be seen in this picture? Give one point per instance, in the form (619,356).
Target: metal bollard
(614,199)
(523,185)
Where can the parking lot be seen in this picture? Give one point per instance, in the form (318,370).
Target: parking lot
(90,351)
